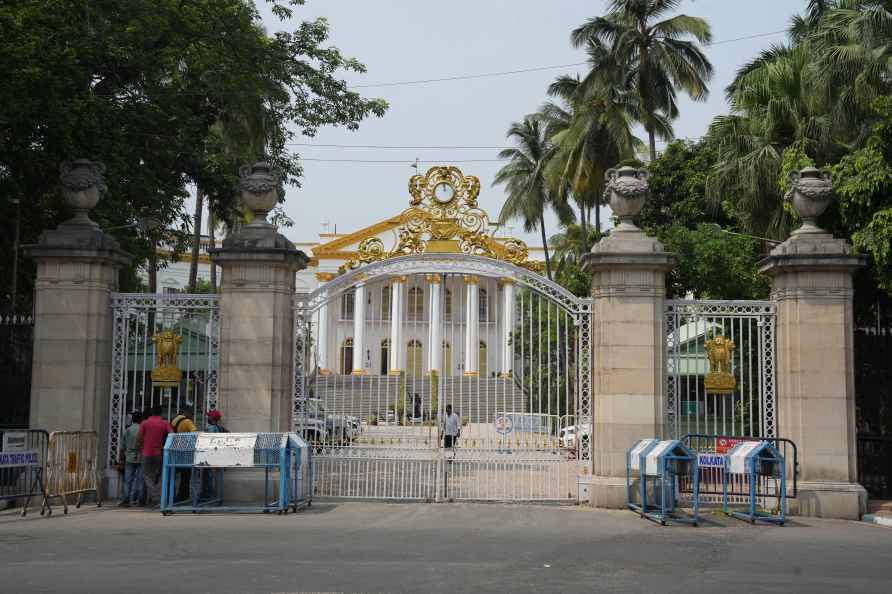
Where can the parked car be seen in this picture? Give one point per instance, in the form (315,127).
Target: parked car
(568,436)
(315,424)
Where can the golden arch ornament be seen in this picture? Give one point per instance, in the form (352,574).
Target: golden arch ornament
(166,374)
(720,380)
(444,217)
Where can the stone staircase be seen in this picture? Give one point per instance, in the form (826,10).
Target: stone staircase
(478,399)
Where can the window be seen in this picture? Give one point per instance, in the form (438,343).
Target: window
(414,359)
(447,305)
(416,304)
(385,301)
(481,362)
(348,304)
(483,305)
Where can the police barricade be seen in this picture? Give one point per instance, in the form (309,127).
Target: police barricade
(286,459)
(760,463)
(659,467)
(71,468)
(711,453)
(23,455)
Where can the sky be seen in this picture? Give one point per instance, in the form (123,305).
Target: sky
(403,40)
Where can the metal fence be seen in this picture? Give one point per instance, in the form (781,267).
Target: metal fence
(23,458)
(72,468)
(714,447)
(750,410)
(873,406)
(16,349)
(195,319)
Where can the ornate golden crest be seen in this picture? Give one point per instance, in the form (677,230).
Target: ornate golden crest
(166,374)
(443,216)
(720,380)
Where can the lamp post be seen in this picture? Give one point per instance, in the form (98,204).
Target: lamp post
(15,253)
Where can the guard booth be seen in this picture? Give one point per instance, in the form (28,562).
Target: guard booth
(285,458)
(660,467)
(761,466)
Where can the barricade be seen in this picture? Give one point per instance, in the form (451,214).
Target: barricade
(659,467)
(23,455)
(759,462)
(209,457)
(71,468)
(711,451)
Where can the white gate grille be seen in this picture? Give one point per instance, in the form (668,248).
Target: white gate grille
(137,318)
(750,409)
(524,401)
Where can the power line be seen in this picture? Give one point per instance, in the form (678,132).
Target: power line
(390,146)
(405,161)
(525,70)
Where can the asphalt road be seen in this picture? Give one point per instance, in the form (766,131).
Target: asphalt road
(365,547)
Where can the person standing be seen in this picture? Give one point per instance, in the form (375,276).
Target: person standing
(134,489)
(451,428)
(150,437)
(182,423)
(211,475)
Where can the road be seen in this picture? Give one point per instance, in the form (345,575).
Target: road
(379,547)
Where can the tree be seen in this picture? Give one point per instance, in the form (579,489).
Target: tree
(140,86)
(656,52)
(528,194)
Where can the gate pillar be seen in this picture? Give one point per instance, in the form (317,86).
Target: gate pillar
(77,270)
(628,288)
(812,285)
(256,316)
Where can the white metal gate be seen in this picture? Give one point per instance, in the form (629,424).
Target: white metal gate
(381,351)
(748,410)
(138,318)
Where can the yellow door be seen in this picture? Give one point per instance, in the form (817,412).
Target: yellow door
(414,359)
(447,359)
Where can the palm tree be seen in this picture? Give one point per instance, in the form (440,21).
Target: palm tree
(524,180)
(655,53)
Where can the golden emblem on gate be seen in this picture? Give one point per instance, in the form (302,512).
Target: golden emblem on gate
(166,374)
(720,380)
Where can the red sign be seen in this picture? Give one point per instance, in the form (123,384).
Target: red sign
(723,444)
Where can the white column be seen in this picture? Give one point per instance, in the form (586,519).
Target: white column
(322,328)
(396,324)
(472,330)
(359,330)
(435,338)
(507,326)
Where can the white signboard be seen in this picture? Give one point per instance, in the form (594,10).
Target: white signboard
(14,441)
(636,451)
(8,459)
(225,449)
(651,465)
(711,460)
(739,454)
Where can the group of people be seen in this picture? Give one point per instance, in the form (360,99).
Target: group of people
(142,449)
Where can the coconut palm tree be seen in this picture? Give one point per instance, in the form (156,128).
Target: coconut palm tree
(524,179)
(656,53)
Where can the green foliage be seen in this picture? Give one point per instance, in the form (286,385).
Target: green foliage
(161,91)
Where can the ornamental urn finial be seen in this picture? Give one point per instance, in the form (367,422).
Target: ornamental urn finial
(81,184)
(260,190)
(810,193)
(626,192)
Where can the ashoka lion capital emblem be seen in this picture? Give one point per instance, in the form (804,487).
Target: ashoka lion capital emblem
(720,380)
(165,373)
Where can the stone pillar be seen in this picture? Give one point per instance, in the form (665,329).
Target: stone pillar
(359,330)
(507,326)
(812,285)
(628,287)
(77,270)
(322,346)
(256,315)
(435,338)
(472,326)
(396,324)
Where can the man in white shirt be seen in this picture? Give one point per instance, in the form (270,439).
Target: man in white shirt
(451,428)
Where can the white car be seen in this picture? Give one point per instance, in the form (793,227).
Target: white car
(567,435)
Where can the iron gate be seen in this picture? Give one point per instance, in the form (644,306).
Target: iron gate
(380,353)
(748,410)
(138,318)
